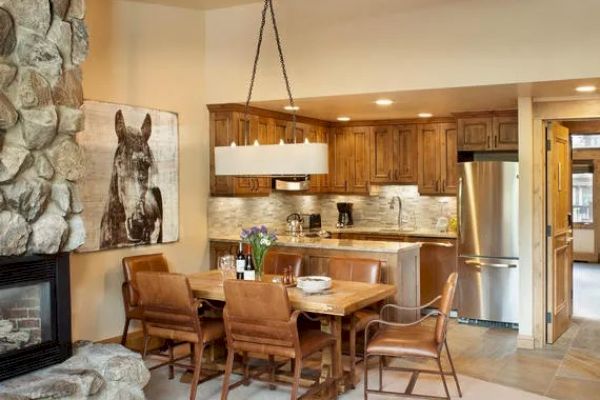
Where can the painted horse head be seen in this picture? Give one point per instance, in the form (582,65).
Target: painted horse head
(134,209)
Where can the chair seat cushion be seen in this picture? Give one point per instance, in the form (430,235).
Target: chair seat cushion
(413,341)
(363,317)
(212,329)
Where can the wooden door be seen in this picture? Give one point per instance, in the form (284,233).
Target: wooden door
(559,244)
(429,159)
(383,168)
(506,133)
(246,186)
(221,134)
(358,176)
(475,134)
(265,135)
(407,158)
(301,132)
(339,159)
(317,134)
(449,162)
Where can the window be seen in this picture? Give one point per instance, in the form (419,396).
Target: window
(585,141)
(583,198)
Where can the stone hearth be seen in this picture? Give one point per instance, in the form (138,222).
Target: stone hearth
(42,44)
(104,371)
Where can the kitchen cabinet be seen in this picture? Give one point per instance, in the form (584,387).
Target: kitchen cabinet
(437,159)
(218,249)
(349,160)
(394,156)
(490,132)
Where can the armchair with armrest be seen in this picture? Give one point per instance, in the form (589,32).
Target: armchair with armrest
(413,340)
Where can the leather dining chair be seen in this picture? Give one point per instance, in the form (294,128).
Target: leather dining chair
(276,261)
(131,266)
(259,319)
(170,312)
(413,340)
(357,270)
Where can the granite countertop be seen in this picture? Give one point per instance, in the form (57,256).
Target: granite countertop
(334,244)
(381,230)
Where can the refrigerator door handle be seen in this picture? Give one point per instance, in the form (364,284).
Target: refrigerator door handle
(485,264)
(460,223)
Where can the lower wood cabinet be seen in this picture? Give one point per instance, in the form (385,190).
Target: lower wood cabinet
(439,258)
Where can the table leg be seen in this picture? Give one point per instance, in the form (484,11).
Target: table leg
(333,362)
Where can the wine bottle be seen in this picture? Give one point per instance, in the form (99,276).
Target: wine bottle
(240,263)
(249,272)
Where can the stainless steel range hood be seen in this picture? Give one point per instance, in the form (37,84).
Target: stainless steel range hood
(291,184)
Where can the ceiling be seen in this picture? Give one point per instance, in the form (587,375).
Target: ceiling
(439,102)
(201,4)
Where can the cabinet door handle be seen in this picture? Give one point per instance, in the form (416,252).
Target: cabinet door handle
(488,142)
(443,185)
(496,141)
(389,174)
(437,185)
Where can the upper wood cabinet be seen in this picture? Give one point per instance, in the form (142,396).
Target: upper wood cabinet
(488,132)
(349,160)
(437,159)
(317,134)
(393,157)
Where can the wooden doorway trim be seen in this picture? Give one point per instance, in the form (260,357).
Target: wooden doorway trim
(543,111)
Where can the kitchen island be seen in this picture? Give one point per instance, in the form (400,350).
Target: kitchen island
(400,260)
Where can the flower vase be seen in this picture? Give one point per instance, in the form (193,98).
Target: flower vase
(258,258)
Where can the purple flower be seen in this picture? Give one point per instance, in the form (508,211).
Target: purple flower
(263,229)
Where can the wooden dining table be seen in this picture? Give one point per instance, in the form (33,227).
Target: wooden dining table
(344,298)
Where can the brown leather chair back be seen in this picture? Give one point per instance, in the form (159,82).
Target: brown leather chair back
(167,301)
(445,307)
(258,313)
(133,265)
(276,261)
(355,269)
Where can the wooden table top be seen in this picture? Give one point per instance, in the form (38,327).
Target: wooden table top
(344,298)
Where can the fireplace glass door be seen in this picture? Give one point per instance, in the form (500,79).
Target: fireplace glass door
(25,316)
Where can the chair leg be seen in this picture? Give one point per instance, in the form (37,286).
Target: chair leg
(272,372)
(125,330)
(439,362)
(380,361)
(297,371)
(246,365)
(453,370)
(352,356)
(171,360)
(366,374)
(146,341)
(198,350)
(228,369)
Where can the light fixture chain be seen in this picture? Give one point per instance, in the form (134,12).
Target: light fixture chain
(256,57)
(269,4)
(283,69)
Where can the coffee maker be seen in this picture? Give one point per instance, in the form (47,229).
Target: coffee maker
(345,214)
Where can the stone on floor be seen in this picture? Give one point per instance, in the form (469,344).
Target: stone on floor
(104,371)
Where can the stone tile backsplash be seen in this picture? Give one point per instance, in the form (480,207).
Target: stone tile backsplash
(227,215)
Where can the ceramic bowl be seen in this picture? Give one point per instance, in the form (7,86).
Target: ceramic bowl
(314,284)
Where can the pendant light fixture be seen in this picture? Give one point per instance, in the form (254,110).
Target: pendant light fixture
(257,159)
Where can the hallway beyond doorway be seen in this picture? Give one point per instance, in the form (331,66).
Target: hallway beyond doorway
(586,290)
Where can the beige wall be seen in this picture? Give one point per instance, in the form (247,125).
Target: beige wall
(338,47)
(146,55)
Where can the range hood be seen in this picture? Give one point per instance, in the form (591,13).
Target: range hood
(291,184)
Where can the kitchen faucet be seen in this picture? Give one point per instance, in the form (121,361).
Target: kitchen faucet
(399,208)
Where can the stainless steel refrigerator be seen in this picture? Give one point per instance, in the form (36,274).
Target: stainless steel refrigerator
(488,241)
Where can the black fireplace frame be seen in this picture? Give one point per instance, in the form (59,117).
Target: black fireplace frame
(27,270)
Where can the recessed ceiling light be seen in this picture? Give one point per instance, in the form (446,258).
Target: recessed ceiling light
(425,115)
(384,102)
(291,108)
(586,89)
(343,119)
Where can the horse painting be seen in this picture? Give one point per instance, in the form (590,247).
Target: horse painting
(133,214)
